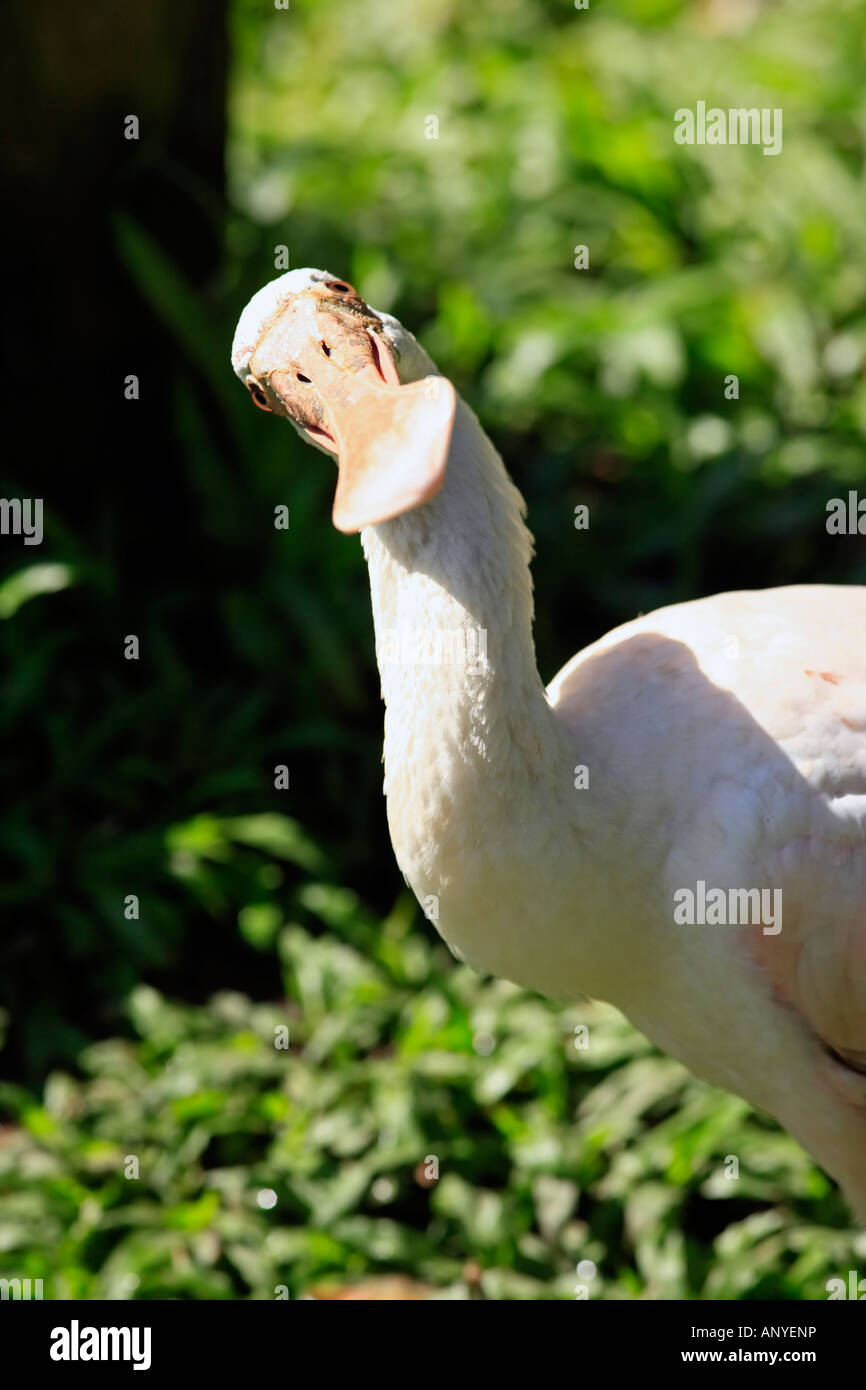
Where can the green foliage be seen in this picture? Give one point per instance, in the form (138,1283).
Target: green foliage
(602,386)
(548,1153)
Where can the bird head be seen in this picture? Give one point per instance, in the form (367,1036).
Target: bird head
(355,384)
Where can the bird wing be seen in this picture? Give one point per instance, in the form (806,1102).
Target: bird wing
(753,708)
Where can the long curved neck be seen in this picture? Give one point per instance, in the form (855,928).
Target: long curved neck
(476,764)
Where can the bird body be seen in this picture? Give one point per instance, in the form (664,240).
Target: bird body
(677,824)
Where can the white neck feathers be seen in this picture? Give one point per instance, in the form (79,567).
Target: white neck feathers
(473,752)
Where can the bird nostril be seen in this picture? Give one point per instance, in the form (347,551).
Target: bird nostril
(304,379)
(377,357)
(325,349)
(258,395)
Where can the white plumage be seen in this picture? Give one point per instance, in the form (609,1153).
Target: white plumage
(723,742)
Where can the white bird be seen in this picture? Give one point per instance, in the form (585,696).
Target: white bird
(707,760)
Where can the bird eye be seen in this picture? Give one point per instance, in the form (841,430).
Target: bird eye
(257,394)
(340,286)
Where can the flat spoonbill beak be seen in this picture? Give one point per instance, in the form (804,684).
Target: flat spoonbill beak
(322,359)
